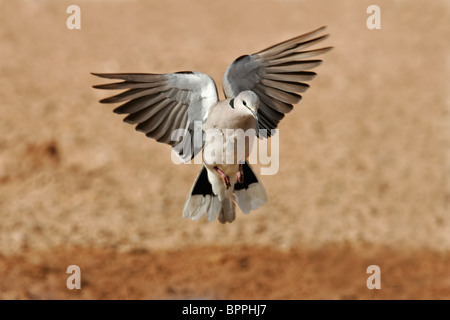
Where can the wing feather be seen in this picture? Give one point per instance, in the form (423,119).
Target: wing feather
(285,85)
(294,66)
(162,103)
(291,76)
(147,113)
(277,75)
(129,85)
(167,127)
(151,117)
(138,104)
(284,96)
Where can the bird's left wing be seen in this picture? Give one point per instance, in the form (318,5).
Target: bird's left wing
(162,103)
(276,74)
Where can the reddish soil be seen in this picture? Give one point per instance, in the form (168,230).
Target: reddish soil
(227,273)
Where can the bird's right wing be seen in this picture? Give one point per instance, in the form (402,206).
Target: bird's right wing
(162,103)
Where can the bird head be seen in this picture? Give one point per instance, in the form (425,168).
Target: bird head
(246,101)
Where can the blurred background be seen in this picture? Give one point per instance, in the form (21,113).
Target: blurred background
(364,157)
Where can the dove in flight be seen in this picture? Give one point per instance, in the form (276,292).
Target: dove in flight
(260,89)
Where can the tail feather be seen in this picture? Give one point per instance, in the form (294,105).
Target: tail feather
(228,212)
(214,207)
(202,201)
(194,208)
(249,195)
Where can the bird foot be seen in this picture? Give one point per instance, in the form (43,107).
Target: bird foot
(240,174)
(225,178)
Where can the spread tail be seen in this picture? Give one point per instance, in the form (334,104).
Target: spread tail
(248,194)
(201,200)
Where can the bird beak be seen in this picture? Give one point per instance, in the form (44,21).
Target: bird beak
(253,113)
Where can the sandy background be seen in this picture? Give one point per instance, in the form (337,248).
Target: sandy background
(364,158)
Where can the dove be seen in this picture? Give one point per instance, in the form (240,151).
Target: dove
(182,109)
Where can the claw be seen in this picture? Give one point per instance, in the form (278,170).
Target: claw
(225,178)
(240,175)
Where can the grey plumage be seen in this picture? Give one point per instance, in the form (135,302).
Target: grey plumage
(260,89)
(275,74)
(161,103)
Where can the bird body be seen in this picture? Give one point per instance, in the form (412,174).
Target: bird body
(260,89)
(226,152)
(226,129)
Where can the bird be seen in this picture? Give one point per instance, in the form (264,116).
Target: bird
(182,109)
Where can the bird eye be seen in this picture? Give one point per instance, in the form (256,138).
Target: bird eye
(245,103)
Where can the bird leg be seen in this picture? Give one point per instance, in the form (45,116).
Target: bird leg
(240,174)
(225,178)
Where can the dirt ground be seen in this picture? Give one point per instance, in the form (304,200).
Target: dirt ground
(331,272)
(364,158)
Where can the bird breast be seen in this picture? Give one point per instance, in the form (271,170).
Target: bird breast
(228,136)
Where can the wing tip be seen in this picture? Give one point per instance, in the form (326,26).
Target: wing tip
(102,75)
(129,120)
(119,110)
(108,100)
(318,30)
(101,86)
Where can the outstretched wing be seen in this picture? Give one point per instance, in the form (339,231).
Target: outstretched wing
(276,74)
(162,103)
